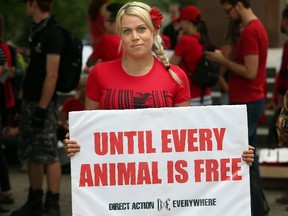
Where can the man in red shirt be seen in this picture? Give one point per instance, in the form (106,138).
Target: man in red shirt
(247,77)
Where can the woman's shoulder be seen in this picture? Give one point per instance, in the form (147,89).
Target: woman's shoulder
(106,66)
(177,70)
(173,67)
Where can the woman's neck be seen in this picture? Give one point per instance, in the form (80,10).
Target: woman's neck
(137,66)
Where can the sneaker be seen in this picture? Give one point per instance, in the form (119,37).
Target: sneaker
(283,199)
(6,199)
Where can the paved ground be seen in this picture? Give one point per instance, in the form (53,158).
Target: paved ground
(19,183)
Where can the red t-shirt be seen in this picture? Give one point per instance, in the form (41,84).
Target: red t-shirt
(107,50)
(71,104)
(282,82)
(113,88)
(191,51)
(252,41)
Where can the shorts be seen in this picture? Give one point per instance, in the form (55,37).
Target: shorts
(38,146)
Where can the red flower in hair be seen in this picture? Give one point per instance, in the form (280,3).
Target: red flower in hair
(156,17)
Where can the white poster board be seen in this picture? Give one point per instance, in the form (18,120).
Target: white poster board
(168,161)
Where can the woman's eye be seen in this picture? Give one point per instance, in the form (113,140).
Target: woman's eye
(141,29)
(126,31)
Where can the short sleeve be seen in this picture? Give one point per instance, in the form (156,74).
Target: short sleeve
(92,87)
(55,41)
(183,91)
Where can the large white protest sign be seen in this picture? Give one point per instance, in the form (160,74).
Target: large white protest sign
(168,161)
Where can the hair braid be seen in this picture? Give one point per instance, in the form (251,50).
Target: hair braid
(158,49)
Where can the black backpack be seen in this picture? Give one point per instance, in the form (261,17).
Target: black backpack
(206,74)
(70,64)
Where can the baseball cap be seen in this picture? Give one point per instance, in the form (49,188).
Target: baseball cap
(191,13)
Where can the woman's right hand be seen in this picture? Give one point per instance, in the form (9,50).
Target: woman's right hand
(71,146)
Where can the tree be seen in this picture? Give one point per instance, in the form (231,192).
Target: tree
(71,14)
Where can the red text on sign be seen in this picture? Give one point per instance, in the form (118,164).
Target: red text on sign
(119,174)
(212,170)
(192,140)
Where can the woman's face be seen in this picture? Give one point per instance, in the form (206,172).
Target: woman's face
(137,39)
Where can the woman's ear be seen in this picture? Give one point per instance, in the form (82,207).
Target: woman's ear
(155,32)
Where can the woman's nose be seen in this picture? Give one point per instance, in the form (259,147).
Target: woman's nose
(135,34)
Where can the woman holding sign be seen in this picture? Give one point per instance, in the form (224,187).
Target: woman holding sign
(140,79)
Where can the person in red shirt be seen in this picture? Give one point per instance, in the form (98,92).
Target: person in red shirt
(247,71)
(247,79)
(189,50)
(140,79)
(108,47)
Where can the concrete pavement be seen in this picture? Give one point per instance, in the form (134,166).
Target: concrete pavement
(19,183)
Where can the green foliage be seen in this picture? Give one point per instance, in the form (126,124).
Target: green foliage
(15,23)
(72,14)
(163,4)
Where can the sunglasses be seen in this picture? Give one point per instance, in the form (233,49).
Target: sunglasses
(227,11)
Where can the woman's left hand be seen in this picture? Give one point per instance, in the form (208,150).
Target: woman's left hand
(248,156)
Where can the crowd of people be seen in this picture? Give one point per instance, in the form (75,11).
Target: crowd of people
(129,58)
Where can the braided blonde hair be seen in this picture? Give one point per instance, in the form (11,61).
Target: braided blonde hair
(142,10)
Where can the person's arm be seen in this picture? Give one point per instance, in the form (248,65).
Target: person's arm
(222,82)
(90,61)
(52,66)
(48,89)
(175,59)
(90,104)
(71,146)
(183,104)
(248,156)
(248,70)
(227,51)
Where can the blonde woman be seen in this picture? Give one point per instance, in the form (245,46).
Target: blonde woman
(143,74)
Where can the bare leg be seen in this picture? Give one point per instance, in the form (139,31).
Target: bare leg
(36,173)
(54,176)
